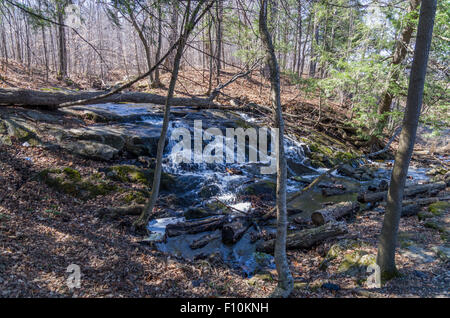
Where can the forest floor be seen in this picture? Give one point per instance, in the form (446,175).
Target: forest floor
(43,231)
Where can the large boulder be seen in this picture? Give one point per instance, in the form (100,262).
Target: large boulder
(90,149)
(70,181)
(264,188)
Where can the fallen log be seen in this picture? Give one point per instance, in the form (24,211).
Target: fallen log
(115,212)
(422,201)
(306,239)
(204,240)
(336,191)
(196,226)
(409,191)
(334,212)
(52,100)
(232,232)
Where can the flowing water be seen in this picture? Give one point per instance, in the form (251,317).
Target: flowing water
(193,177)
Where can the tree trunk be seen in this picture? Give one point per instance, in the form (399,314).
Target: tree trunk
(62,48)
(157,81)
(334,212)
(409,191)
(232,232)
(204,240)
(306,239)
(219,14)
(196,226)
(388,237)
(173,34)
(285,280)
(52,100)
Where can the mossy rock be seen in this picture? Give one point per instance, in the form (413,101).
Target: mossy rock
(134,174)
(69,181)
(436,224)
(342,246)
(438,208)
(137,197)
(5,140)
(260,277)
(217,206)
(197,213)
(300,285)
(423,215)
(208,191)
(264,187)
(241,123)
(352,259)
(262,259)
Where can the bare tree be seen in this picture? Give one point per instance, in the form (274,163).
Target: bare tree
(388,238)
(190,20)
(285,280)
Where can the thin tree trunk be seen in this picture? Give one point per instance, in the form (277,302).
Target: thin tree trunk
(219,13)
(62,49)
(157,81)
(285,280)
(388,237)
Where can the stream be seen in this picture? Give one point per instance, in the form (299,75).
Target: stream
(206,183)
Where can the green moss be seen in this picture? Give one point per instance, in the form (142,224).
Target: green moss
(300,285)
(260,277)
(388,275)
(435,224)
(196,213)
(3,129)
(72,173)
(69,181)
(133,174)
(240,123)
(261,187)
(423,215)
(217,206)
(134,197)
(438,208)
(344,156)
(351,260)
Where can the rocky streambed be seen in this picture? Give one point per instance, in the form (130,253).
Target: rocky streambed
(206,211)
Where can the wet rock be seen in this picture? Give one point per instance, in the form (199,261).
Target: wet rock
(208,191)
(347,170)
(197,213)
(134,174)
(260,188)
(296,168)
